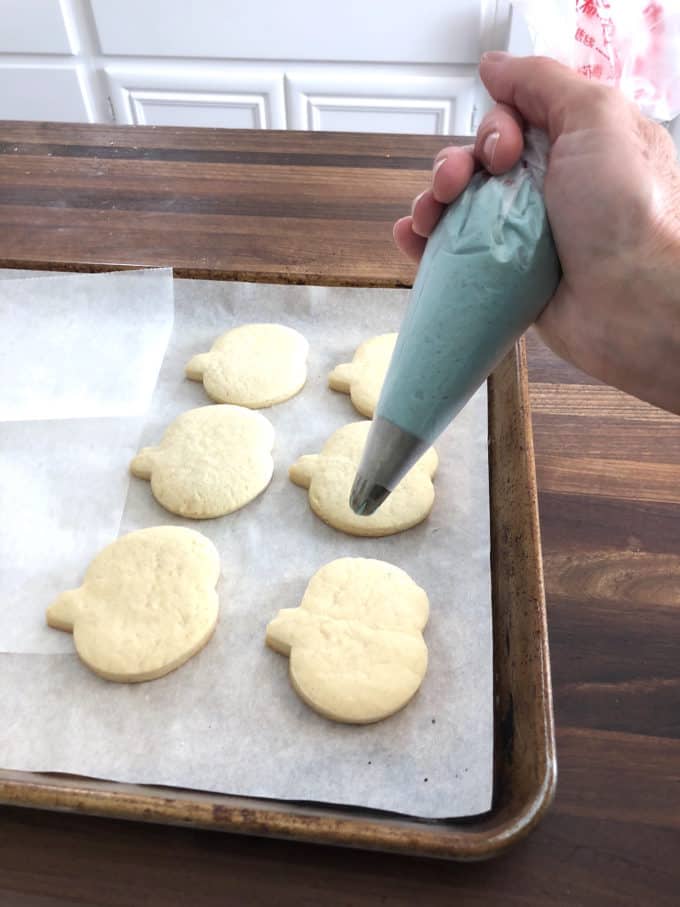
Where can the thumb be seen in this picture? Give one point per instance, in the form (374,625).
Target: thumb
(540,88)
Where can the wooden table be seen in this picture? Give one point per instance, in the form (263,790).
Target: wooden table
(276,206)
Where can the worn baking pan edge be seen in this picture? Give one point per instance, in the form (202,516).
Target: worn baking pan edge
(525,765)
(286,276)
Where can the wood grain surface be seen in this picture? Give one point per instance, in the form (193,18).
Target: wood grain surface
(278,206)
(233,204)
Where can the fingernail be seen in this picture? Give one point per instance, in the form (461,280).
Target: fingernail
(438,165)
(489,147)
(416,200)
(495,56)
(396,226)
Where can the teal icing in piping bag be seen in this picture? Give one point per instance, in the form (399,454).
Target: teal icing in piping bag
(489,268)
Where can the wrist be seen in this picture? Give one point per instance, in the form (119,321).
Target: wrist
(659,342)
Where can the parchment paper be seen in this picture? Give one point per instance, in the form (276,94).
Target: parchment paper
(80,360)
(228,720)
(82,346)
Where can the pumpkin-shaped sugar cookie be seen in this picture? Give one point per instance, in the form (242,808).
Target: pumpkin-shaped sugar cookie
(254,365)
(330,474)
(146,605)
(355,643)
(363,377)
(211,461)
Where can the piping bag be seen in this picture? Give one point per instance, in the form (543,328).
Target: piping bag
(491,266)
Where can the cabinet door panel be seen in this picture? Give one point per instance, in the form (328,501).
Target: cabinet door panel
(39,93)
(32,27)
(440,31)
(379,100)
(233,97)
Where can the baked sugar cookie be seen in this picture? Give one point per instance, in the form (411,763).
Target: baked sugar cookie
(330,474)
(211,461)
(147,604)
(255,365)
(363,377)
(355,643)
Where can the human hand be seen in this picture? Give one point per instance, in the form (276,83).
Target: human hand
(612,193)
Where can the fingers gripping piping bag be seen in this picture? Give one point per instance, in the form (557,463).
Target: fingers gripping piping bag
(491,266)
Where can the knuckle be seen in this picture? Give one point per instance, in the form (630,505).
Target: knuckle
(507,110)
(604,105)
(542,70)
(543,64)
(605,100)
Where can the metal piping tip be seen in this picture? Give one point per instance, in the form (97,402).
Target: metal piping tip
(366,496)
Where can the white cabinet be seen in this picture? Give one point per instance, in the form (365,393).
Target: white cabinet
(361,65)
(377,99)
(41,93)
(33,27)
(232,97)
(394,31)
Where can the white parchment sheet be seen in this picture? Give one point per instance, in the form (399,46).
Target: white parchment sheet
(80,359)
(228,720)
